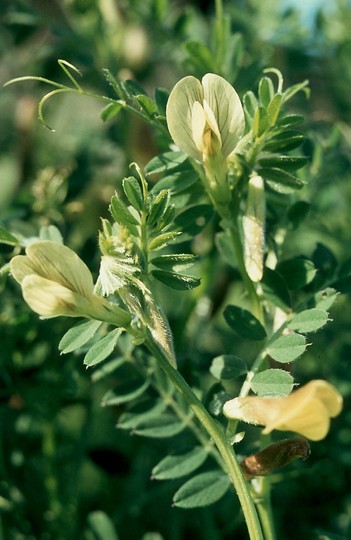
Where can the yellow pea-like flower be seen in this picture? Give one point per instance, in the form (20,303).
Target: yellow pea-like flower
(306,411)
(56,282)
(205,118)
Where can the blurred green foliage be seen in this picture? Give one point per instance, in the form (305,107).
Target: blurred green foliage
(66,472)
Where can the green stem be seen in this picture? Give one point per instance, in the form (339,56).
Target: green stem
(216,433)
(263,504)
(219,33)
(184,416)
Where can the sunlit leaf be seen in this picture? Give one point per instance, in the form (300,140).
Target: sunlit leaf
(175,263)
(265,91)
(309,320)
(287,348)
(132,190)
(272,382)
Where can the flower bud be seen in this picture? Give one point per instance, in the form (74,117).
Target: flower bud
(253,226)
(274,457)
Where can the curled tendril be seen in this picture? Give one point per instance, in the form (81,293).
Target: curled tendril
(288,94)
(279,77)
(63,64)
(68,68)
(60,88)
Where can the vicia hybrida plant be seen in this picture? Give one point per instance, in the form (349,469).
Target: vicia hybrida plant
(229,160)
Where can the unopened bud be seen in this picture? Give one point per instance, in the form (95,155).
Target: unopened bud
(253,226)
(274,457)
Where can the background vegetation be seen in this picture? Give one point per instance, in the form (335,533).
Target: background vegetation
(62,460)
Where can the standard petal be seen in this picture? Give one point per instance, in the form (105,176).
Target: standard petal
(311,421)
(59,263)
(21,267)
(179,114)
(329,396)
(227,109)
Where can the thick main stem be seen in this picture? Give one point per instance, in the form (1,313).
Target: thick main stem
(224,448)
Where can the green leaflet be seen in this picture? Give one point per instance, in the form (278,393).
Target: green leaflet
(165,162)
(201,56)
(132,190)
(179,465)
(250,104)
(284,141)
(202,490)
(297,272)
(287,348)
(111,110)
(309,320)
(102,348)
(141,411)
(161,426)
(101,526)
(288,163)
(272,382)
(122,215)
(127,392)
(325,299)
(275,289)
(227,366)
(176,281)
(7,238)
(265,91)
(244,323)
(175,263)
(260,122)
(194,219)
(78,336)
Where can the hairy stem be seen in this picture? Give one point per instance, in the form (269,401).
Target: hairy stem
(219,438)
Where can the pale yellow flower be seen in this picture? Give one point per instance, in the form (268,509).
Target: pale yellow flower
(306,411)
(55,281)
(205,118)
